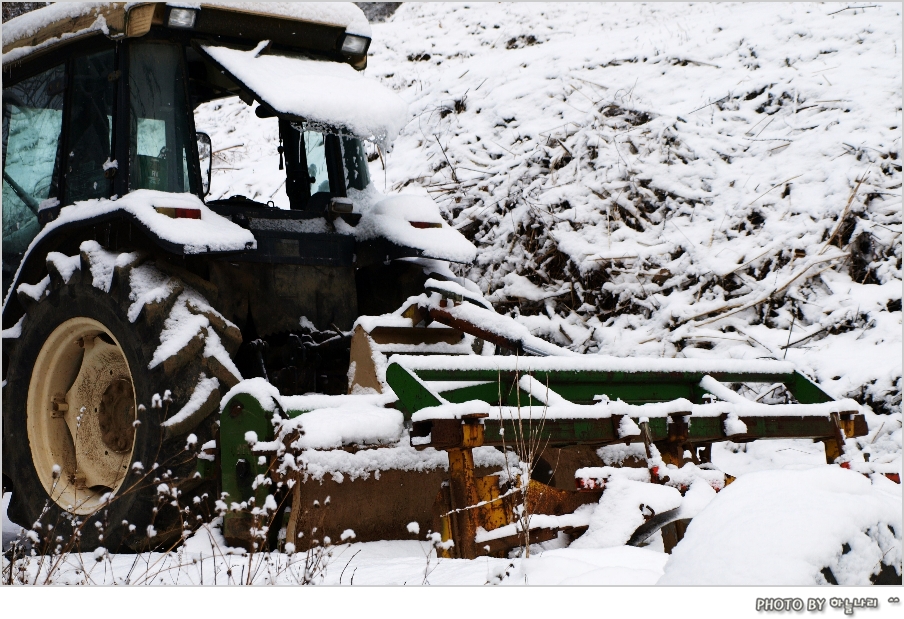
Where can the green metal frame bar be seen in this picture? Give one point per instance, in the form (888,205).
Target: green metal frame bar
(500,388)
(581,387)
(701,430)
(243,413)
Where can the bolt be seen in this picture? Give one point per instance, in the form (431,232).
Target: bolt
(86,342)
(59,407)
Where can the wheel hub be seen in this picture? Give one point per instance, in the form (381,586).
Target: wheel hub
(81,414)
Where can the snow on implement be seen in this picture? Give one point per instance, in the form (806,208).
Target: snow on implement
(167,357)
(547,412)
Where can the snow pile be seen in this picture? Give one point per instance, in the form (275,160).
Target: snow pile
(622,508)
(101,262)
(202,391)
(453,411)
(792,528)
(35,291)
(339,464)
(579,518)
(65,265)
(339,426)
(682,478)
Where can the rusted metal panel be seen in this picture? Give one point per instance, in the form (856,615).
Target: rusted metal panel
(463,492)
(415,335)
(362,359)
(376,509)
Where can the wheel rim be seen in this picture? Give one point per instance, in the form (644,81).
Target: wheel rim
(81,410)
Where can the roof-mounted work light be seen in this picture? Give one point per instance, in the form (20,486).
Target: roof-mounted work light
(182,18)
(355,45)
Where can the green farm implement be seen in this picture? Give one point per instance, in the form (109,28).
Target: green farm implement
(551,412)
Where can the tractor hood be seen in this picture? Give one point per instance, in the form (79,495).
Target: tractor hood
(317,91)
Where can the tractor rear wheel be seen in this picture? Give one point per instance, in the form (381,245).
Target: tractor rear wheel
(100,431)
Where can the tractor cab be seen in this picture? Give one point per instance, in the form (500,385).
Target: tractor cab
(100,143)
(100,104)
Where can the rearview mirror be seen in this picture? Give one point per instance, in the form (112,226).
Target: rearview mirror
(205,159)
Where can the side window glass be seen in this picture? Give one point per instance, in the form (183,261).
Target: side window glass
(355,160)
(90,127)
(160,135)
(315,153)
(32,122)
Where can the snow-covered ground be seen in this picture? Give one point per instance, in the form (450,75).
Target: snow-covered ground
(795,525)
(202,561)
(662,180)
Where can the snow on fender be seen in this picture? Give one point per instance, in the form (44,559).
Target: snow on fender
(196,228)
(414,221)
(155,210)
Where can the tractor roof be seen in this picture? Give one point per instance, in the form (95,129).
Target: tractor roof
(319,24)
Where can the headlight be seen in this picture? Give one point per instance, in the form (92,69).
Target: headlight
(182,18)
(355,45)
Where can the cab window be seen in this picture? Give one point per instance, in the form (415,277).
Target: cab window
(32,124)
(159,116)
(355,160)
(90,126)
(315,155)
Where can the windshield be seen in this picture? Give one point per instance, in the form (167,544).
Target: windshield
(32,125)
(331,164)
(247,160)
(354,160)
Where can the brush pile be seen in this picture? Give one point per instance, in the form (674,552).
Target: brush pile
(668,180)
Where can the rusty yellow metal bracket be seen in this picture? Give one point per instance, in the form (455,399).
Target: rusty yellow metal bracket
(469,502)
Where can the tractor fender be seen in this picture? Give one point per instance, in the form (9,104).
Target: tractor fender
(132,221)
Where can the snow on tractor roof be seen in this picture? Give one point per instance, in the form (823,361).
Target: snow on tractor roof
(342,14)
(74,19)
(67,20)
(331,93)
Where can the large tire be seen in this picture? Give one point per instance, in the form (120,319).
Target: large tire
(144,358)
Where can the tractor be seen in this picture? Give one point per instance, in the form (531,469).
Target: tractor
(167,355)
